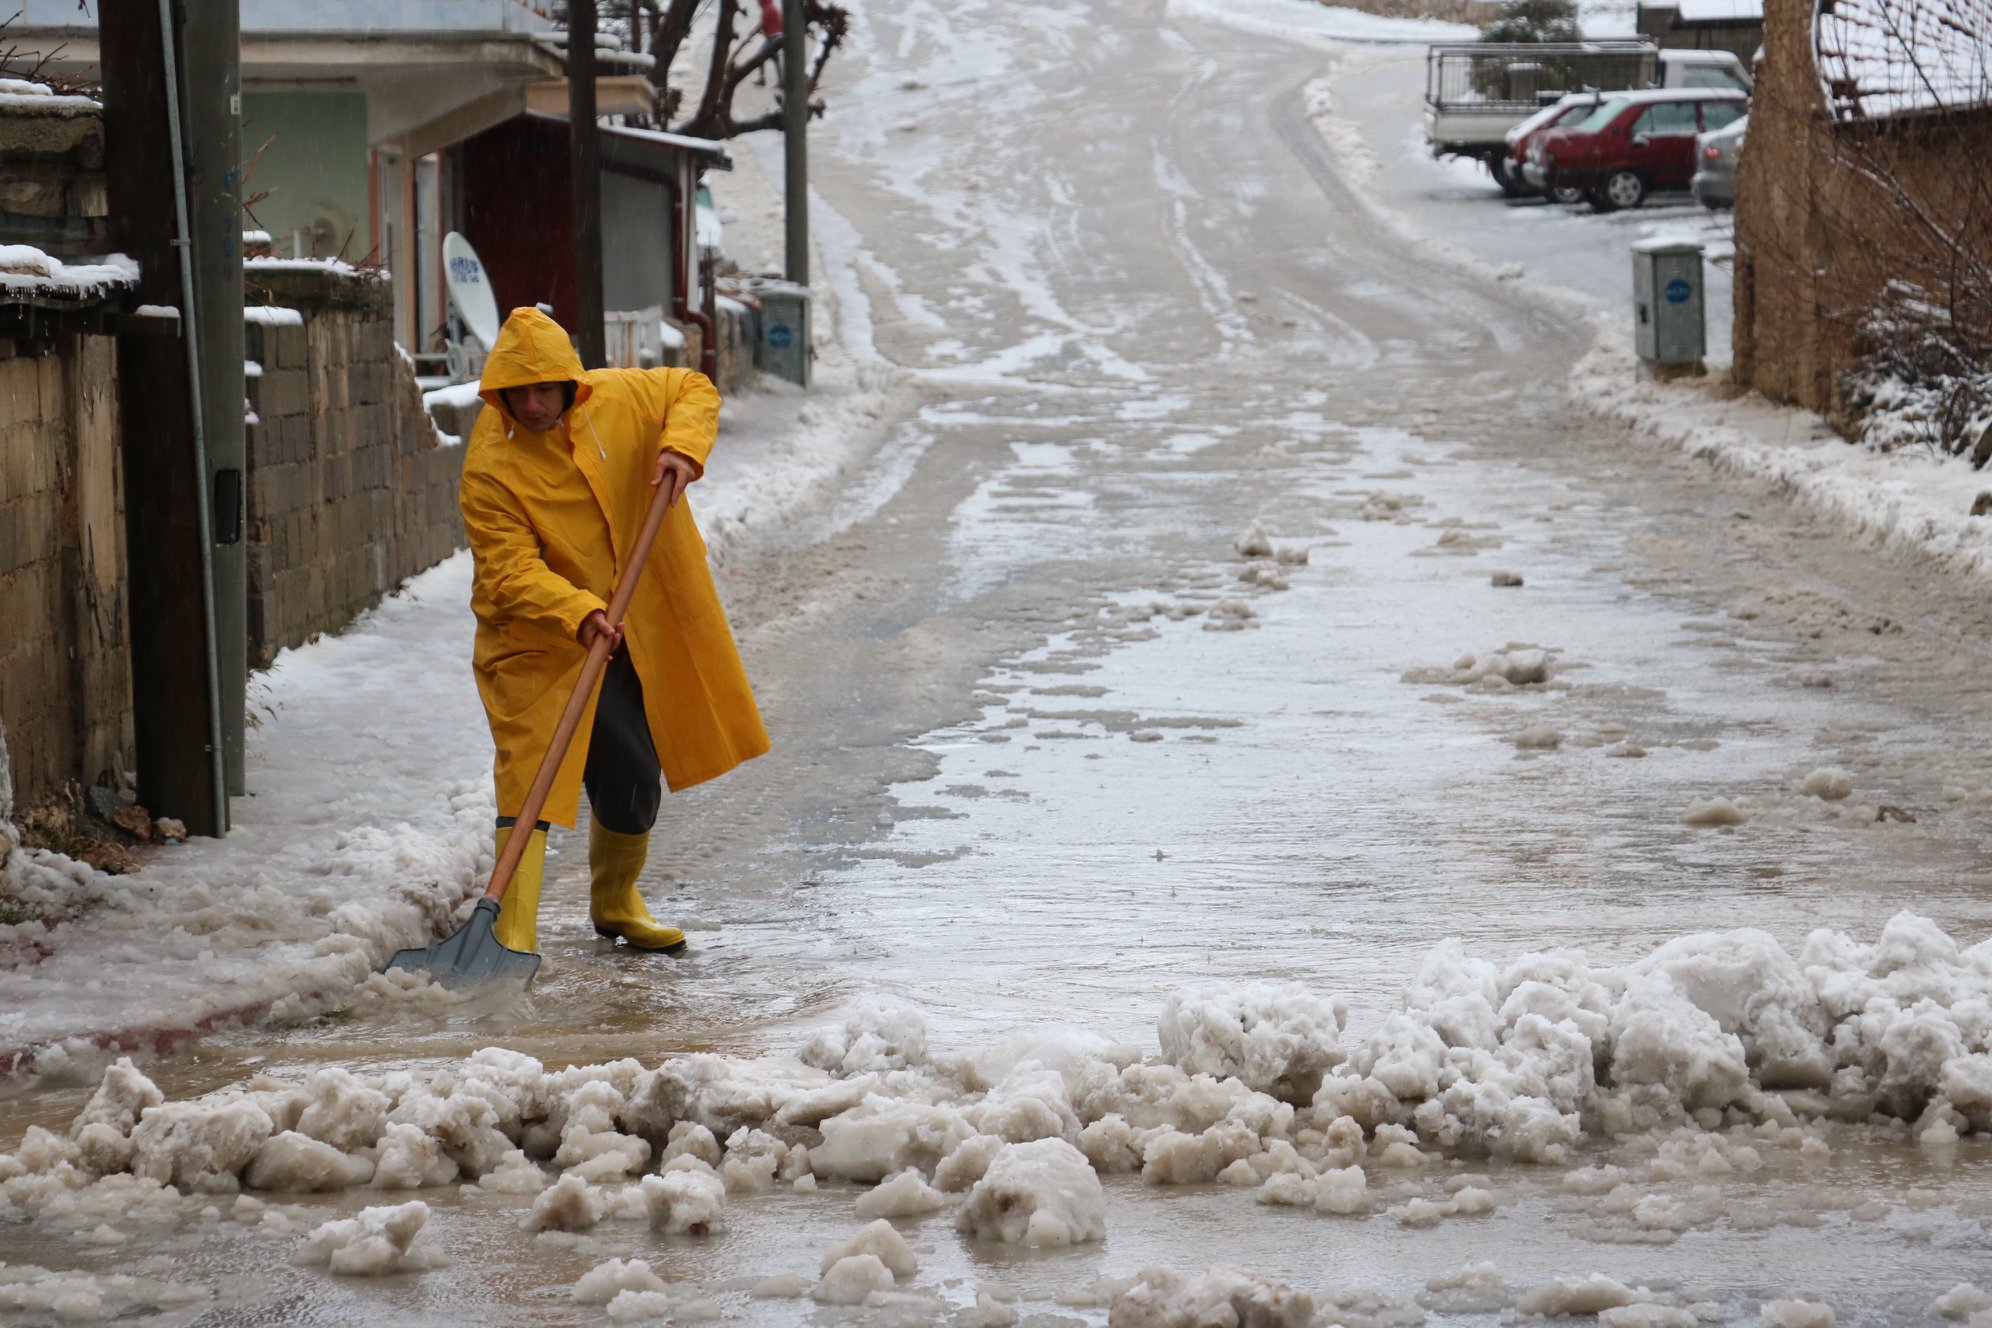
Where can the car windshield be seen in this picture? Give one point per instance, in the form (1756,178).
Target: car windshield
(1601,117)
(1547,115)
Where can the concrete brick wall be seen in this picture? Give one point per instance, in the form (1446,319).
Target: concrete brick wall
(349,489)
(65,686)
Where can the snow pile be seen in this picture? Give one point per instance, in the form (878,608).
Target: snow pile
(1275,1038)
(905,1195)
(1164,1298)
(852,1280)
(72,1297)
(877,1241)
(609,1279)
(377,1242)
(1040,1193)
(876,1036)
(1709,1048)
(1522,1060)
(1515,665)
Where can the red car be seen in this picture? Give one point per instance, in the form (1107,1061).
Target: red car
(1634,144)
(1573,107)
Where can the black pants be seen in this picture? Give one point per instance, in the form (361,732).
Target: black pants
(625,786)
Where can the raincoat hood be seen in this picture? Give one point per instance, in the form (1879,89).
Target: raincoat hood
(531,348)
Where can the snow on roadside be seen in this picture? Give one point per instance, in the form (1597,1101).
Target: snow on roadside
(368,821)
(1708,1056)
(1907,502)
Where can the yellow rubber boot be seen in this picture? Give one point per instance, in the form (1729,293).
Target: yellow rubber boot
(518,916)
(617,909)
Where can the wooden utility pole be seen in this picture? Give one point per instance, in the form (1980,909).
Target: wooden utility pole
(590,336)
(795,138)
(175,703)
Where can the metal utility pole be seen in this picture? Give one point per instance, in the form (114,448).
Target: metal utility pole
(795,137)
(211,111)
(590,337)
(170,589)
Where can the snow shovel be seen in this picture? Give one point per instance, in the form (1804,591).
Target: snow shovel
(473,954)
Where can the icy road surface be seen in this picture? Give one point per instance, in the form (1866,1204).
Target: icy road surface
(1163,646)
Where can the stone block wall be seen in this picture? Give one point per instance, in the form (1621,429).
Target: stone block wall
(53,150)
(350,489)
(65,685)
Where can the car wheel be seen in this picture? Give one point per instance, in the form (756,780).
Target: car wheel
(1567,193)
(1624,188)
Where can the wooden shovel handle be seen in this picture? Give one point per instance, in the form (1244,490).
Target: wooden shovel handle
(584,687)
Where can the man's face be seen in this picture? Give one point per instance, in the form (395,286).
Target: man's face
(537,405)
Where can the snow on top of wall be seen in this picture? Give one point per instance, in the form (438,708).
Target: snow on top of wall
(27,271)
(456,394)
(20,94)
(272,315)
(1888,57)
(339,265)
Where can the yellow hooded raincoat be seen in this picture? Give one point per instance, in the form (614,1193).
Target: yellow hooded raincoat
(551,518)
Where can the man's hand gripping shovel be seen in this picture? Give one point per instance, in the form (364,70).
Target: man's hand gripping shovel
(473,954)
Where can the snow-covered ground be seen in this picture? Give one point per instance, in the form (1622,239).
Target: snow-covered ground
(1372,843)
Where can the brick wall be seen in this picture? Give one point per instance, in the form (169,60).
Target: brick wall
(65,689)
(350,490)
(1818,237)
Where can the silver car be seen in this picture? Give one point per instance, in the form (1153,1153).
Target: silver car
(1715,164)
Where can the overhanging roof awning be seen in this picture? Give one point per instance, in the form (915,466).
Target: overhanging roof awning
(641,147)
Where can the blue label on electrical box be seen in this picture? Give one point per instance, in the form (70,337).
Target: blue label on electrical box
(1678,291)
(780,335)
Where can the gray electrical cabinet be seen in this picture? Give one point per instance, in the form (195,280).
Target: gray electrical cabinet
(783,347)
(1667,303)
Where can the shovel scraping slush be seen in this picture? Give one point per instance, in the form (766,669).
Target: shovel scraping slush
(473,955)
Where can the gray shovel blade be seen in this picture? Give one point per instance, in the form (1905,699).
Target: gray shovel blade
(472,956)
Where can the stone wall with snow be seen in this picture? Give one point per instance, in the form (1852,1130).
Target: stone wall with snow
(351,488)
(1836,220)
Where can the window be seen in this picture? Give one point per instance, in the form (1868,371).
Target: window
(1663,118)
(1711,76)
(1717,114)
(1599,118)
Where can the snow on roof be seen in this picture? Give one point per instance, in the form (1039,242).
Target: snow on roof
(1720,11)
(28,273)
(1887,57)
(1643,95)
(707,146)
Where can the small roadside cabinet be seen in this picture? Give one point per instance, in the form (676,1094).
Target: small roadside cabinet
(1668,330)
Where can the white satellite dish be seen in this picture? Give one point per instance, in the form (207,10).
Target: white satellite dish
(470,289)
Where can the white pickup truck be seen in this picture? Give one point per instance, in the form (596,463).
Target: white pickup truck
(1475,92)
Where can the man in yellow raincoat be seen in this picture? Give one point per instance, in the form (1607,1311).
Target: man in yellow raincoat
(557,477)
